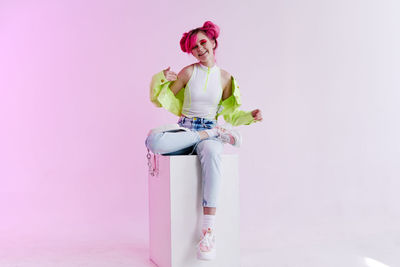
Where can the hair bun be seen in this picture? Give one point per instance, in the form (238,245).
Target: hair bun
(183,42)
(211,28)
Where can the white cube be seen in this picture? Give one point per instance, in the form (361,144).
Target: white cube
(175,197)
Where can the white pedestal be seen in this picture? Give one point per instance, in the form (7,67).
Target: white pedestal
(175,197)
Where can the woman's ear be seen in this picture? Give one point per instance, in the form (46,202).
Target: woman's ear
(213,42)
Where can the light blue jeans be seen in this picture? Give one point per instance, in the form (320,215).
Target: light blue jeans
(185,143)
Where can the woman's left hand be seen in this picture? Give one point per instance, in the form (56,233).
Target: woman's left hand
(257,115)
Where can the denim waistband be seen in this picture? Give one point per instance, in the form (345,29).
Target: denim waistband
(184,119)
(197,124)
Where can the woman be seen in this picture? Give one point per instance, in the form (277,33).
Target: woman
(199,94)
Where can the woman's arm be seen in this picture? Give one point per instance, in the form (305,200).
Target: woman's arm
(226,84)
(180,80)
(226,79)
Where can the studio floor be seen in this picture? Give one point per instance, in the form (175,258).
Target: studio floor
(373,251)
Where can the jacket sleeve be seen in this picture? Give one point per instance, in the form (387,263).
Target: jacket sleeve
(162,96)
(230,108)
(239,117)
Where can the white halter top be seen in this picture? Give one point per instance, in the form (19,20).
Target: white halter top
(203,92)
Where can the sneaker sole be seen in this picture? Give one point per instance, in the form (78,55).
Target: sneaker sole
(206,256)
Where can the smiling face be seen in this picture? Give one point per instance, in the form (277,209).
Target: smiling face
(203,49)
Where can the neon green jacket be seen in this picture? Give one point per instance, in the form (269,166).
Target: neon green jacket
(162,96)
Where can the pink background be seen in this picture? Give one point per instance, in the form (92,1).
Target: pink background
(74,113)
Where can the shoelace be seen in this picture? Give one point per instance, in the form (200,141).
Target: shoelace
(205,241)
(225,136)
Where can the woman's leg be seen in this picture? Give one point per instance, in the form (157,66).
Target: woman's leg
(168,142)
(209,152)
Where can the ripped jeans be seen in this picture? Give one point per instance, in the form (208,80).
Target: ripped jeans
(185,143)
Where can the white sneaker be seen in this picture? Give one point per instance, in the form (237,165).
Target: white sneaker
(229,136)
(207,247)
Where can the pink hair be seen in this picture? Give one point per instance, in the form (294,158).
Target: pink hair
(189,39)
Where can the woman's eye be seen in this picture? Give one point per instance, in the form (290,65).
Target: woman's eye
(194,47)
(203,43)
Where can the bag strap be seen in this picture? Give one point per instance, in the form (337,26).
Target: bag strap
(153,166)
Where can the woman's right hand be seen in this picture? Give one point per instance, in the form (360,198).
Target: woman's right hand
(170,75)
